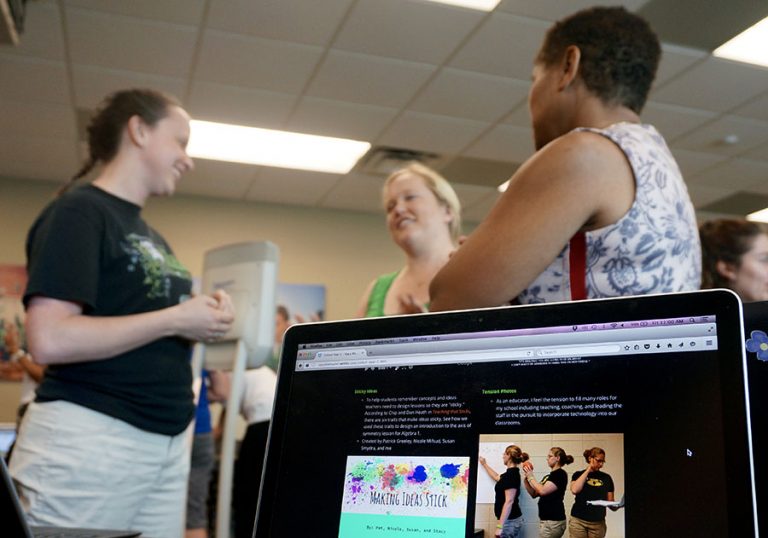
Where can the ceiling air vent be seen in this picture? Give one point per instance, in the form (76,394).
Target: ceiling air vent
(382,160)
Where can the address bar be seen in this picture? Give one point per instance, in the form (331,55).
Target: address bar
(425,358)
(578,350)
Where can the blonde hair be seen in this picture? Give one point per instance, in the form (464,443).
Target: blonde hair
(439,186)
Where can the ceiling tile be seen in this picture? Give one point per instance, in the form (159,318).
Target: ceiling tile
(426,132)
(337,118)
(479,172)
(129,43)
(286,186)
(709,85)
(756,109)
(219,179)
(760,153)
(42,36)
(711,137)
(553,10)
(736,174)
(356,192)
(674,120)
(504,45)
(702,195)
(520,116)
(303,21)
(397,29)
(371,80)
(480,209)
(470,195)
(177,11)
(674,60)
(694,162)
(36,119)
(470,95)
(241,106)
(33,79)
(255,62)
(91,84)
(504,143)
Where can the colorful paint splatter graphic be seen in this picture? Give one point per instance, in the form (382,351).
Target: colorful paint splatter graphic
(407,485)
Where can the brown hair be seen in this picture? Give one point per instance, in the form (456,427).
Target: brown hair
(515,454)
(561,456)
(593,452)
(619,53)
(725,240)
(105,129)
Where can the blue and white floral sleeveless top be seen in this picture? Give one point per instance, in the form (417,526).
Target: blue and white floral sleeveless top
(653,248)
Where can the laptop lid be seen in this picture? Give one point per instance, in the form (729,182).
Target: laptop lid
(756,333)
(379,423)
(11,516)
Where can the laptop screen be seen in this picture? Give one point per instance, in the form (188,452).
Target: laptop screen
(380,424)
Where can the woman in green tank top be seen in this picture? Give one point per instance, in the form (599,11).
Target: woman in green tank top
(424,220)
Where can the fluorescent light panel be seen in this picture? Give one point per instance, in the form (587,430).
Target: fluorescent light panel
(759,216)
(480,5)
(267,147)
(750,46)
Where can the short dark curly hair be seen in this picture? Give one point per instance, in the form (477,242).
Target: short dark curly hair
(619,53)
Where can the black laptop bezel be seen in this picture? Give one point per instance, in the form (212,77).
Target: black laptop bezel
(723,304)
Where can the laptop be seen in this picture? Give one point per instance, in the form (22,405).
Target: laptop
(756,331)
(13,522)
(379,423)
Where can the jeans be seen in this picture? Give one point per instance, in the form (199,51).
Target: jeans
(512,528)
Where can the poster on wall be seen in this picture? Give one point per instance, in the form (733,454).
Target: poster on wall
(13,281)
(302,302)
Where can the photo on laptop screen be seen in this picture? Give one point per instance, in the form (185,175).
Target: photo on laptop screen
(381,425)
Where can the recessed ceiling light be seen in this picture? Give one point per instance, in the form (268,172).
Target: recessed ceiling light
(267,147)
(759,216)
(480,5)
(750,46)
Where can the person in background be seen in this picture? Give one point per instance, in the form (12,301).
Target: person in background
(550,491)
(109,310)
(506,506)
(214,387)
(591,484)
(256,408)
(32,373)
(601,209)
(735,256)
(424,220)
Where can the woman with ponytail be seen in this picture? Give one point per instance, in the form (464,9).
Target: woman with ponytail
(591,484)
(507,504)
(110,311)
(551,491)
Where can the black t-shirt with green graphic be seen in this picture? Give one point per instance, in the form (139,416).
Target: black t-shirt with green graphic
(92,248)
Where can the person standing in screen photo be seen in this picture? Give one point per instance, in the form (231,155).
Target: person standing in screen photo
(110,312)
(601,208)
(735,256)
(591,484)
(506,505)
(424,220)
(550,491)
